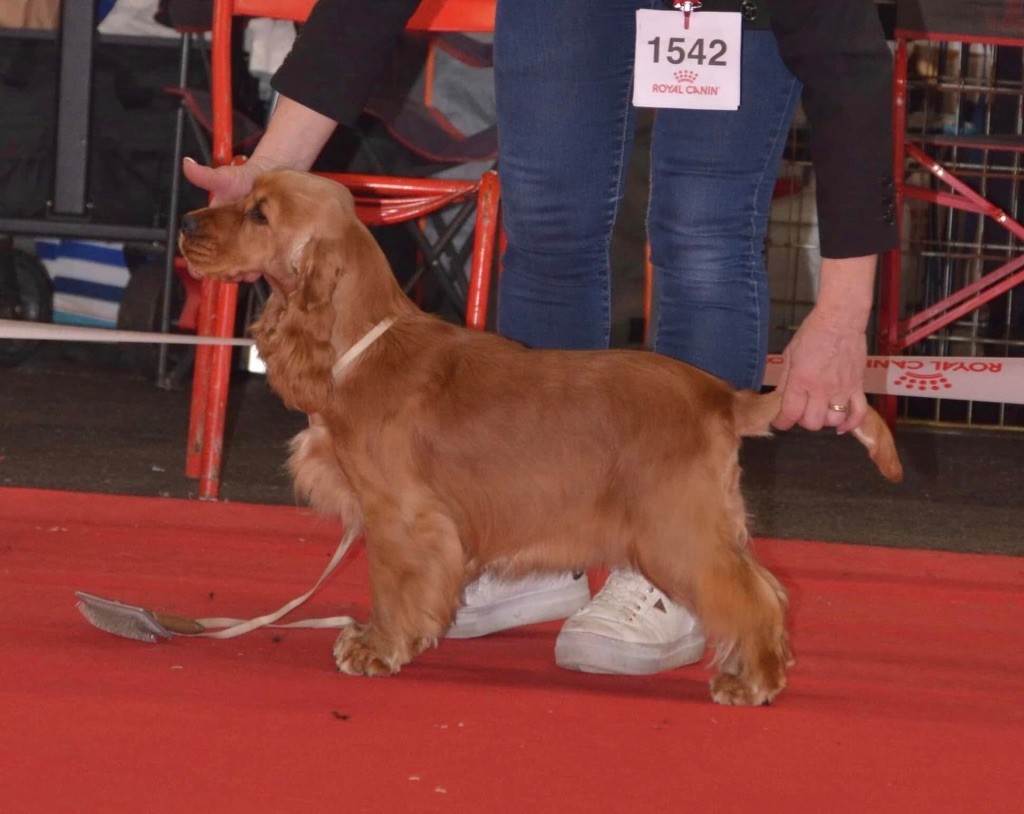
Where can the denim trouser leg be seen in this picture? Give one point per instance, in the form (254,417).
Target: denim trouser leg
(712,177)
(564,82)
(563,79)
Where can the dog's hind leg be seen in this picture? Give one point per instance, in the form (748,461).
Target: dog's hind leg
(416,575)
(698,555)
(743,607)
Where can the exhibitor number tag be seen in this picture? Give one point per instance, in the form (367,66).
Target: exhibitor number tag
(696,67)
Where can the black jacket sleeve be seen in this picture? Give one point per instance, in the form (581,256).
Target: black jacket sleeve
(838,50)
(344,49)
(835,47)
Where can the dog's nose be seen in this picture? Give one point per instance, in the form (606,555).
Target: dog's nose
(189,224)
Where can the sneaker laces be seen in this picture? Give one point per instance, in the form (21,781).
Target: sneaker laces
(625,594)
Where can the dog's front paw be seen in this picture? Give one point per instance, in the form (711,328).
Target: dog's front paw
(734,691)
(354,656)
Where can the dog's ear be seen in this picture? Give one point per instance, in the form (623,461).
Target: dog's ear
(297,346)
(317,264)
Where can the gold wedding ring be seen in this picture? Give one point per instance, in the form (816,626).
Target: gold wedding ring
(840,408)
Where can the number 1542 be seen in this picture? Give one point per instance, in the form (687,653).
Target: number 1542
(676,51)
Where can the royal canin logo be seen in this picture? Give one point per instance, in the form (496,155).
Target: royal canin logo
(686,83)
(922,382)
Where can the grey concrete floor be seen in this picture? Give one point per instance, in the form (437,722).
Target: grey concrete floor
(76,418)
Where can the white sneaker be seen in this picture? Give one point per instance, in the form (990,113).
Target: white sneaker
(629,628)
(494,604)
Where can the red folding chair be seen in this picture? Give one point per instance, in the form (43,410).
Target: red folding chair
(996,22)
(380,200)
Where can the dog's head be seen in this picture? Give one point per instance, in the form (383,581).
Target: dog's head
(329,278)
(273,231)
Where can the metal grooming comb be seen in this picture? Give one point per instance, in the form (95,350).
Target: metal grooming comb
(132,622)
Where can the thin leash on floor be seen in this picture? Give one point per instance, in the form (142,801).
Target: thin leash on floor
(143,624)
(135,622)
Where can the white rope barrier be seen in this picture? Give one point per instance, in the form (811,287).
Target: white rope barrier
(18,329)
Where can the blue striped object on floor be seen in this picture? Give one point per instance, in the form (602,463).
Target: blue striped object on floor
(88,280)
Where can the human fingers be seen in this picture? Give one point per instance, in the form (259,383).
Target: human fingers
(223,183)
(837,409)
(815,412)
(199,174)
(794,402)
(857,413)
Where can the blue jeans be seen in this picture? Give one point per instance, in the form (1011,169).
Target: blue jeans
(563,74)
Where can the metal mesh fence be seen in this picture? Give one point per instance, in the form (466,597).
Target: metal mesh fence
(953,89)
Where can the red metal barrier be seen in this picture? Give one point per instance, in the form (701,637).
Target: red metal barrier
(379,200)
(947,22)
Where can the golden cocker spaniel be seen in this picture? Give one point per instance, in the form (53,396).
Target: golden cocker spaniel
(458,451)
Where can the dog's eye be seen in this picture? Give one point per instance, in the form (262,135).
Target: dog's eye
(256,216)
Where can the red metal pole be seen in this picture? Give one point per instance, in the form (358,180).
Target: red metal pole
(970,199)
(890,293)
(487,216)
(209,386)
(217,394)
(200,380)
(959,305)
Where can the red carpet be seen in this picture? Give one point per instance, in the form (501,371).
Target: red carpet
(907,695)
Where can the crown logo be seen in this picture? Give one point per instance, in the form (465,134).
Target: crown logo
(922,382)
(685,76)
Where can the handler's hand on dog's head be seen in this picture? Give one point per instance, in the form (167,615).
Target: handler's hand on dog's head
(225,184)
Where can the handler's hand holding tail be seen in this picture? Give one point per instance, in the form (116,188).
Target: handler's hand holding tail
(822,379)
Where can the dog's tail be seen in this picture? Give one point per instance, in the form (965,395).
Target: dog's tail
(754,413)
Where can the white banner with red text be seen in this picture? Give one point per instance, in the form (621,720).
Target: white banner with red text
(964,378)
